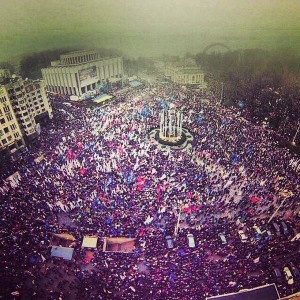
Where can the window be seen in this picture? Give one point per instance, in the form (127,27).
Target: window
(6,130)
(9,117)
(9,138)
(4,141)
(2,121)
(16,135)
(13,126)
(6,109)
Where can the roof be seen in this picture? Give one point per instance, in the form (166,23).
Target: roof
(63,252)
(89,242)
(102,98)
(135,83)
(266,292)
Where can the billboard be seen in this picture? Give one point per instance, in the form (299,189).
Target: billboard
(87,76)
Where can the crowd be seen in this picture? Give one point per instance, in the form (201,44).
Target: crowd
(94,170)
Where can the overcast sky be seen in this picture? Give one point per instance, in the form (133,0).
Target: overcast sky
(147,27)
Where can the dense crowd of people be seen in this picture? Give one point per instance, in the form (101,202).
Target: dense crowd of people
(94,170)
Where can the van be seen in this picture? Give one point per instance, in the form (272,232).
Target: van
(170,243)
(288,275)
(294,270)
(277,274)
(242,236)
(191,240)
(223,238)
(257,229)
(276,228)
(284,227)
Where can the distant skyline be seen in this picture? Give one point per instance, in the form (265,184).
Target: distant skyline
(147,27)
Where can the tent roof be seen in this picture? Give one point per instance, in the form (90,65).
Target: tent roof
(89,242)
(135,83)
(63,252)
(102,98)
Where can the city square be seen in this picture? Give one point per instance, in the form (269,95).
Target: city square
(134,173)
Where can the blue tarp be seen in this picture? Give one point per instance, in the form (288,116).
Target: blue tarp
(63,252)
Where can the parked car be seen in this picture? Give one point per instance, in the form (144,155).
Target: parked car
(277,274)
(269,234)
(223,238)
(295,270)
(242,236)
(288,275)
(285,229)
(170,242)
(257,229)
(276,228)
(191,240)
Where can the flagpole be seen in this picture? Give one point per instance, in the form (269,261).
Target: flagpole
(177,225)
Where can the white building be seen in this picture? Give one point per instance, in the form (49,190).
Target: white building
(78,72)
(186,76)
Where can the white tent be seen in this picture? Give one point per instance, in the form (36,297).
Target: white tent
(89,241)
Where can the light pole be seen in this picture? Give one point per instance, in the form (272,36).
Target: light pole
(276,211)
(293,141)
(222,90)
(177,225)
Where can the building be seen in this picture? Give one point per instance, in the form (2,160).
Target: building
(24,106)
(11,138)
(186,75)
(79,72)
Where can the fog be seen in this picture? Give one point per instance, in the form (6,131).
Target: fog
(147,27)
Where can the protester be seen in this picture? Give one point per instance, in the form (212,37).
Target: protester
(95,170)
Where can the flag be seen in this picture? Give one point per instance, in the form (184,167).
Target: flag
(241,103)
(198,118)
(256,260)
(255,199)
(234,157)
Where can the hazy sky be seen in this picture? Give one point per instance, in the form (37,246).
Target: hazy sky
(147,27)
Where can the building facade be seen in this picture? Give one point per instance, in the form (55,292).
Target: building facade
(186,76)
(24,106)
(11,138)
(79,72)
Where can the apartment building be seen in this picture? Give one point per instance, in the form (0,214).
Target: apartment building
(24,107)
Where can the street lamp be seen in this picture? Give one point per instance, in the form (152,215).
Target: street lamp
(293,141)
(276,211)
(222,90)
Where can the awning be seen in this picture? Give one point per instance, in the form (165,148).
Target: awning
(135,83)
(102,98)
